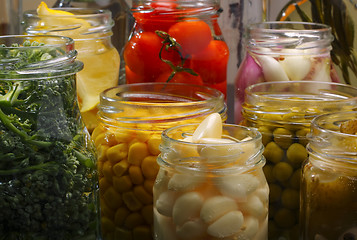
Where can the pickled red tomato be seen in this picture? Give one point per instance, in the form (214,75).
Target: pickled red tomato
(141,54)
(180,77)
(193,35)
(211,62)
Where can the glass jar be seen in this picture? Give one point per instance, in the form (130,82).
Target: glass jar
(132,117)
(91,31)
(282,112)
(284,51)
(177,41)
(48,176)
(329,179)
(211,191)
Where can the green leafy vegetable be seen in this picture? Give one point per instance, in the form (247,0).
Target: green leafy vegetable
(48,181)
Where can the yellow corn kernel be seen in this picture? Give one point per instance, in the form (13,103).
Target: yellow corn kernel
(120,168)
(112,198)
(148,214)
(100,169)
(136,175)
(123,136)
(120,216)
(122,184)
(154,143)
(135,140)
(137,152)
(117,152)
(107,225)
(150,167)
(143,136)
(149,185)
(101,153)
(123,234)
(105,138)
(106,211)
(133,220)
(131,201)
(142,195)
(104,184)
(107,171)
(142,233)
(98,130)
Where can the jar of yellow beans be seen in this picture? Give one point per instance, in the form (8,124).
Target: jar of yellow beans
(127,139)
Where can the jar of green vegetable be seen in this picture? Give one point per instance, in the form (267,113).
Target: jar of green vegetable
(282,112)
(48,180)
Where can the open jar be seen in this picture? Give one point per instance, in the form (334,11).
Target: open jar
(282,112)
(91,30)
(329,179)
(177,41)
(132,118)
(211,190)
(284,51)
(48,175)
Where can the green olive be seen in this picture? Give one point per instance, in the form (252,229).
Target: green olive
(266,134)
(282,171)
(283,137)
(296,154)
(268,172)
(285,218)
(294,181)
(275,193)
(273,153)
(290,198)
(302,135)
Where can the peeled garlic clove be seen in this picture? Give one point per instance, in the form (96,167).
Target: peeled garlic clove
(296,67)
(253,206)
(187,207)
(210,127)
(228,225)
(249,228)
(164,229)
(192,229)
(322,72)
(184,182)
(272,69)
(165,202)
(215,207)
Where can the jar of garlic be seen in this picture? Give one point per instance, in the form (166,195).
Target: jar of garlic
(211,183)
(132,118)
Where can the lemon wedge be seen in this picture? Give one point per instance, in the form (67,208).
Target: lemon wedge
(43,10)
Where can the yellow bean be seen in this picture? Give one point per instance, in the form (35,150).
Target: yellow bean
(106,211)
(123,136)
(142,233)
(150,167)
(117,152)
(136,175)
(98,130)
(154,143)
(112,198)
(122,184)
(148,185)
(131,201)
(102,153)
(120,215)
(120,168)
(148,214)
(143,136)
(107,171)
(105,138)
(104,184)
(137,152)
(107,225)
(133,220)
(142,195)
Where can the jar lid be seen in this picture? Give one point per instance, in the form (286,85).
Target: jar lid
(33,57)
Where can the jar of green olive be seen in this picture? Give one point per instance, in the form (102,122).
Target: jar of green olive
(329,179)
(282,112)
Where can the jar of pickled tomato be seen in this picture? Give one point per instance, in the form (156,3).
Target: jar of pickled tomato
(131,120)
(177,41)
(282,112)
(213,188)
(329,179)
(91,30)
(284,51)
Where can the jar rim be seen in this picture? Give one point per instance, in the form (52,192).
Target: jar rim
(255,160)
(78,12)
(60,58)
(191,100)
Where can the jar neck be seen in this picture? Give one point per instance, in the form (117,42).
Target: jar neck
(289,38)
(243,154)
(158,104)
(296,102)
(84,24)
(328,146)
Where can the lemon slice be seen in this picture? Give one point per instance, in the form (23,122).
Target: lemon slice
(43,10)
